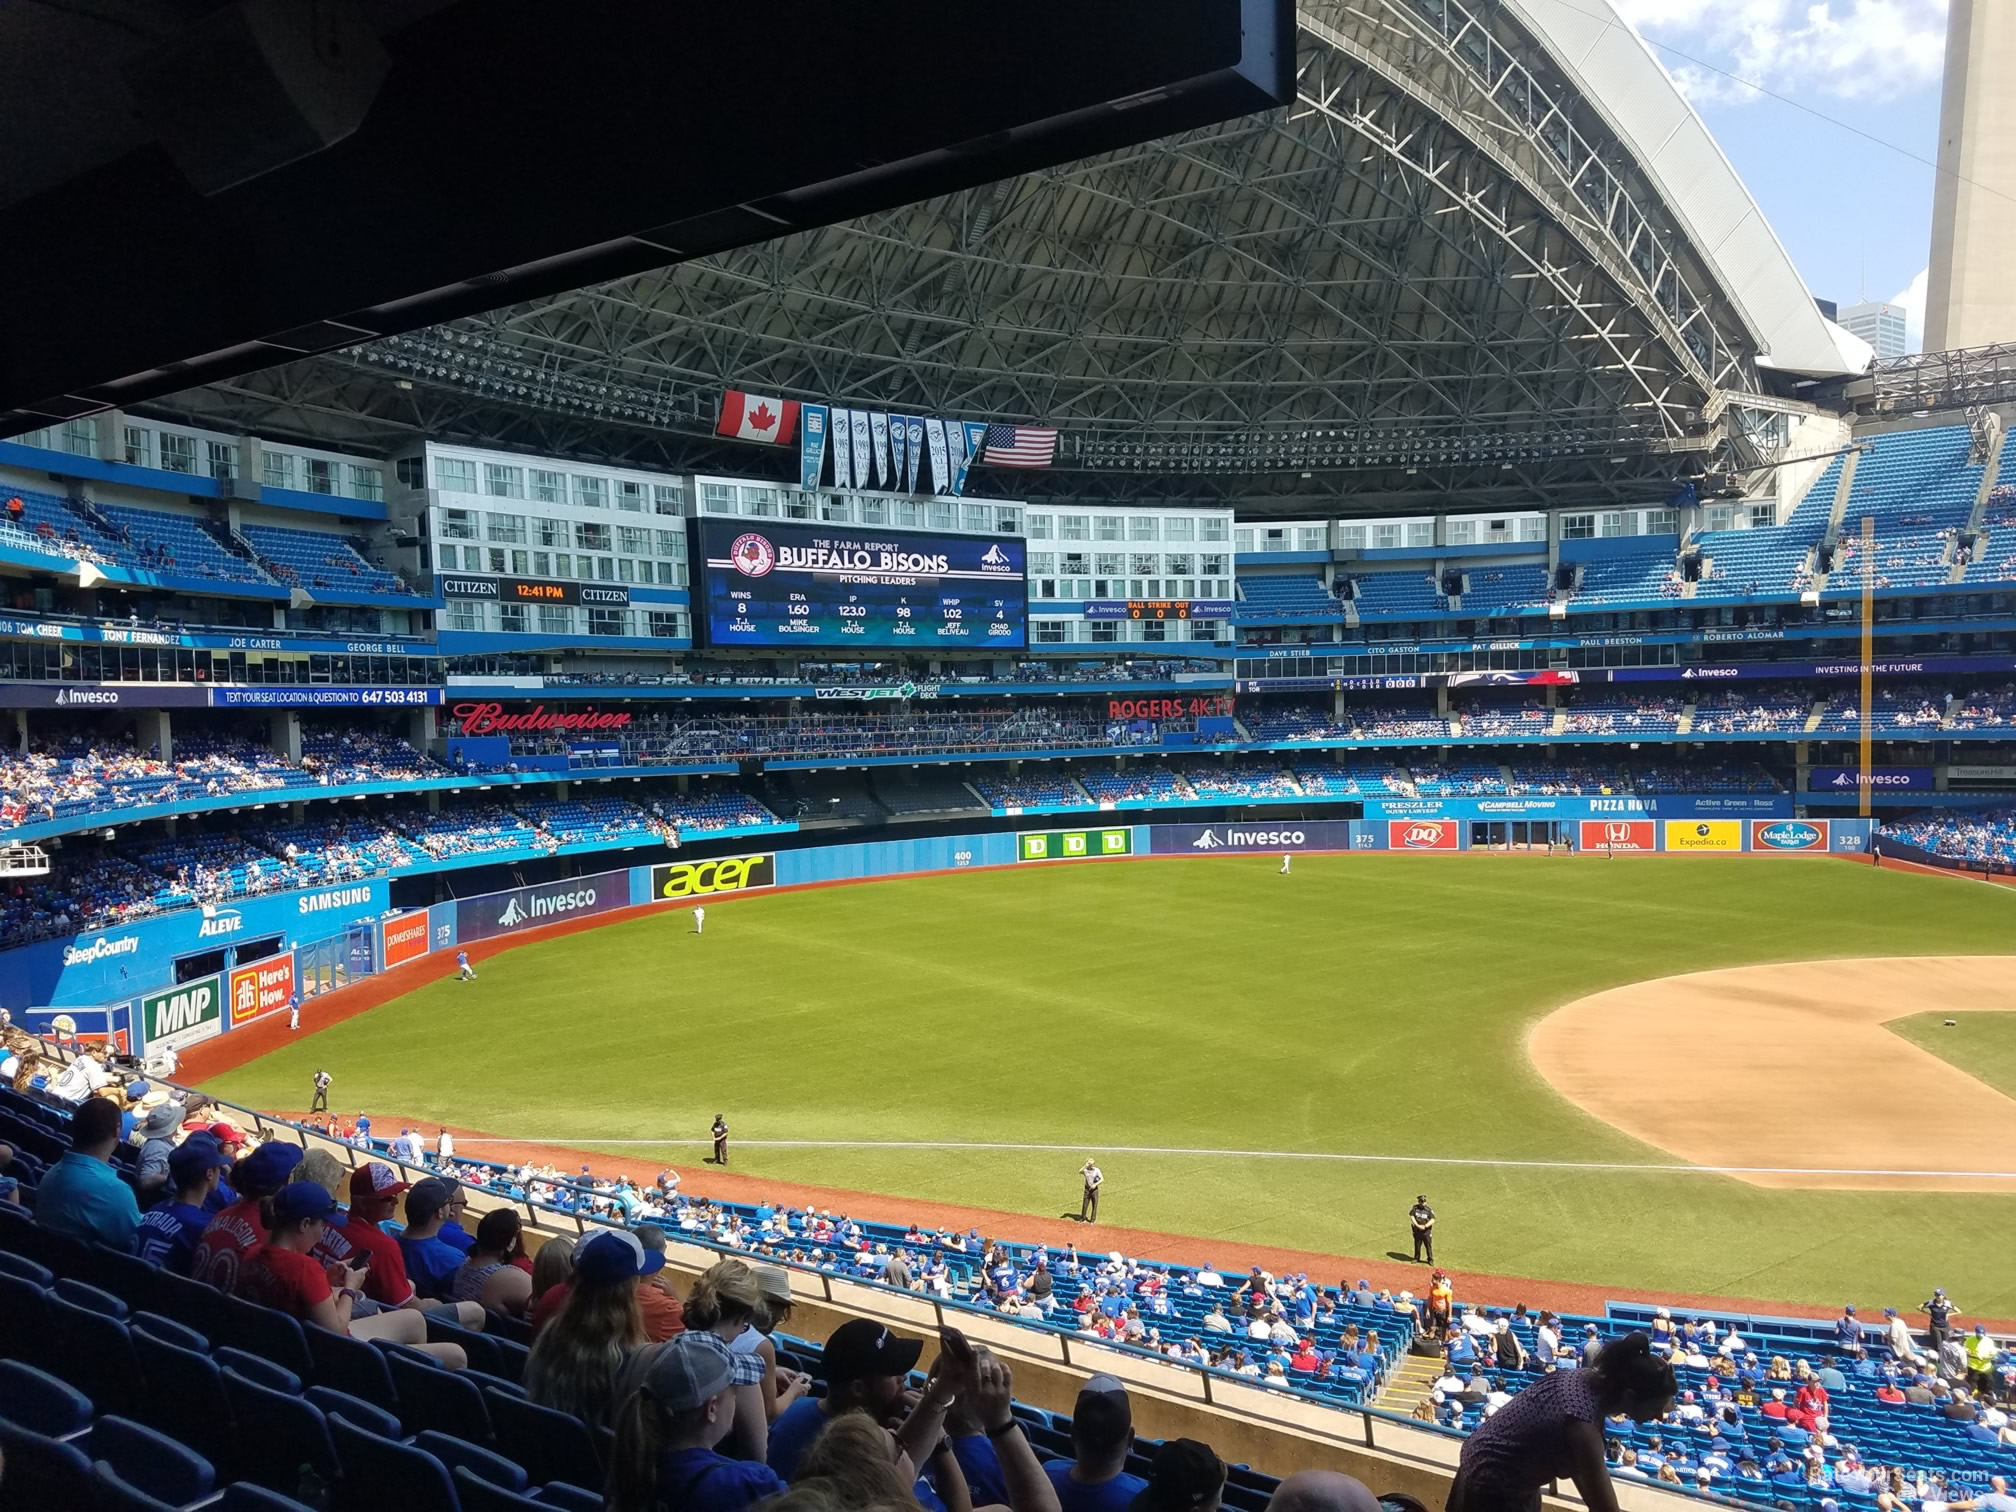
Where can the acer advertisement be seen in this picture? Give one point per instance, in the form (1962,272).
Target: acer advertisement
(1423,834)
(1619,835)
(261,988)
(406,939)
(702,879)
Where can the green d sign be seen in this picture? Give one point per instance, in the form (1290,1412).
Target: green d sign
(182,1014)
(1075,845)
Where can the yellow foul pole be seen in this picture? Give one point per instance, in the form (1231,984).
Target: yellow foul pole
(1868,652)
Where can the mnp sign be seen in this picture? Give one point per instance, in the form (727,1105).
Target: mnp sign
(182,1015)
(1074,845)
(1704,834)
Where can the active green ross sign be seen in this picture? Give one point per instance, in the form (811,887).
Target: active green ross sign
(182,1014)
(1075,845)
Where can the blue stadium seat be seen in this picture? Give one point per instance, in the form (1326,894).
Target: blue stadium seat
(431,1397)
(24,1319)
(380,1472)
(479,1495)
(151,1462)
(97,1352)
(168,1331)
(253,1368)
(461,1454)
(185,1392)
(267,1333)
(95,1298)
(42,1471)
(364,1414)
(112,1492)
(27,1270)
(191,1303)
(353,1366)
(552,1446)
(40,1402)
(279,1432)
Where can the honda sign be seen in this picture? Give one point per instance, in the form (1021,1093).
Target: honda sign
(1611,835)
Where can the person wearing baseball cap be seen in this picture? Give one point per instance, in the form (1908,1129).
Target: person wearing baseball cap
(156,1134)
(1102,1435)
(170,1230)
(576,1356)
(431,1260)
(667,1430)
(283,1273)
(864,1365)
(354,1239)
(241,1228)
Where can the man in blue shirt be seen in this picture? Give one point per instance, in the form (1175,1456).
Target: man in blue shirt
(171,1228)
(1848,1334)
(431,1261)
(864,1365)
(81,1194)
(1102,1433)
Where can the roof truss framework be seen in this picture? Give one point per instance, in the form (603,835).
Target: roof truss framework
(1435,240)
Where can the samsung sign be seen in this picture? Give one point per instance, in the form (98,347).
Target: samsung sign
(1237,839)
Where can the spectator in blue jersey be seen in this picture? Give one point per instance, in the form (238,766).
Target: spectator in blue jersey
(668,1430)
(169,1231)
(81,1195)
(864,1365)
(1102,1434)
(1848,1334)
(431,1261)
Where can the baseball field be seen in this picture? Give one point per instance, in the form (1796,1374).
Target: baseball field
(1704,1076)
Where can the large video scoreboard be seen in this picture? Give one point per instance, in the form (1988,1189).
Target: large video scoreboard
(777,583)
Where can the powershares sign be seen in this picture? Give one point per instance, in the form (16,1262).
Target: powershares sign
(1249,839)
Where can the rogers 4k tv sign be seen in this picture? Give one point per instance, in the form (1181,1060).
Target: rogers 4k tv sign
(705,879)
(524,908)
(183,1014)
(1075,845)
(1247,839)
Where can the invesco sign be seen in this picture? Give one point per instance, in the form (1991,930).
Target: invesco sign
(697,879)
(1234,839)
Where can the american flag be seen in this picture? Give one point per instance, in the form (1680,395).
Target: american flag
(1020,445)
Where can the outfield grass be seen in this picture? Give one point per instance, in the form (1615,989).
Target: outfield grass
(1981,1044)
(1365,1004)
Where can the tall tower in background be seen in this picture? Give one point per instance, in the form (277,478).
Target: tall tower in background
(1970,296)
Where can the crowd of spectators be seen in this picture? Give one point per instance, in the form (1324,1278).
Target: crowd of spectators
(1987,836)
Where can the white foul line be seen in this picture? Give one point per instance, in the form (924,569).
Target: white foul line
(1676,1168)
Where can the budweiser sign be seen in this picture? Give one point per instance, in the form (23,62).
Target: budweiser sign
(490,719)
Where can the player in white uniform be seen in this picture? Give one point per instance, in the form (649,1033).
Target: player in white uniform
(1284,863)
(699,920)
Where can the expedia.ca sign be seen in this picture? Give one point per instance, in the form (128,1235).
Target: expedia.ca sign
(725,874)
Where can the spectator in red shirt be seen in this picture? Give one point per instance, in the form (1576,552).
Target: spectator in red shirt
(1304,1358)
(284,1274)
(354,1238)
(241,1228)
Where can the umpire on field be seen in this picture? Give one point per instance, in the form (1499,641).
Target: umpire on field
(1088,1203)
(1421,1221)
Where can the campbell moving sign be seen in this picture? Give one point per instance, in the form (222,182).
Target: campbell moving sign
(549,903)
(491,719)
(184,1014)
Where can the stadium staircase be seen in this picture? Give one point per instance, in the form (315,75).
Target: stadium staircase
(1408,1386)
(1843,487)
(230,540)
(1972,529)
(1560,724)
(1815,716)
(1685,724)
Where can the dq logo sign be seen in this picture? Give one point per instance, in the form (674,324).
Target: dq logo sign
(694,879)
(1619,835)
(1788,834)
(1421,834)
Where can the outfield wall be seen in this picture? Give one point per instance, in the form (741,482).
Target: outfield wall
(178,979)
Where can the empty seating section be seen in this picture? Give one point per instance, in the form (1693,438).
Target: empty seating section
(1752,709)
(592,821)
(1576,778)
(921,792)
(177,543)
(1503,718)
(1393,594)
(834,795)
(1753,563)
(317,561)
(1286,596)
(1817,503)
(1142,784)
(1895,711)
(1610,713)
(1500,591)
(1242,779)
(1647,576)
(1032,790)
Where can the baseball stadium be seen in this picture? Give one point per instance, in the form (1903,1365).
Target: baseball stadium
(1261,736)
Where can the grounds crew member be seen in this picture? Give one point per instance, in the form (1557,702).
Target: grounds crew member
(1421,1221)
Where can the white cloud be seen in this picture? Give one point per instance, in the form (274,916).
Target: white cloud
(1913,299)
(1859,50)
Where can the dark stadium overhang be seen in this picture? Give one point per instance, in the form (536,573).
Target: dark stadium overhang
(1444,271)
(196,189)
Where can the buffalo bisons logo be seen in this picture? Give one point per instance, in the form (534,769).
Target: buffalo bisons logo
(752,554)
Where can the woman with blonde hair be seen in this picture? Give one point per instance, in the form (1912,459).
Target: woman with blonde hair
(576,1357)
(326,1171)
(725,1302)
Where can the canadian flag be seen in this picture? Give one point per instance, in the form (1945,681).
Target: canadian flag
(757,417)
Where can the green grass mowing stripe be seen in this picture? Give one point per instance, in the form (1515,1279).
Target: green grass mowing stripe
(1981,1044)
(1374,1004)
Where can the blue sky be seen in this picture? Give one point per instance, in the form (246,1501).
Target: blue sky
(1855,216)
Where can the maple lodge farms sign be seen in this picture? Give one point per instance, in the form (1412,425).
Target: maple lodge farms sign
(490,719)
